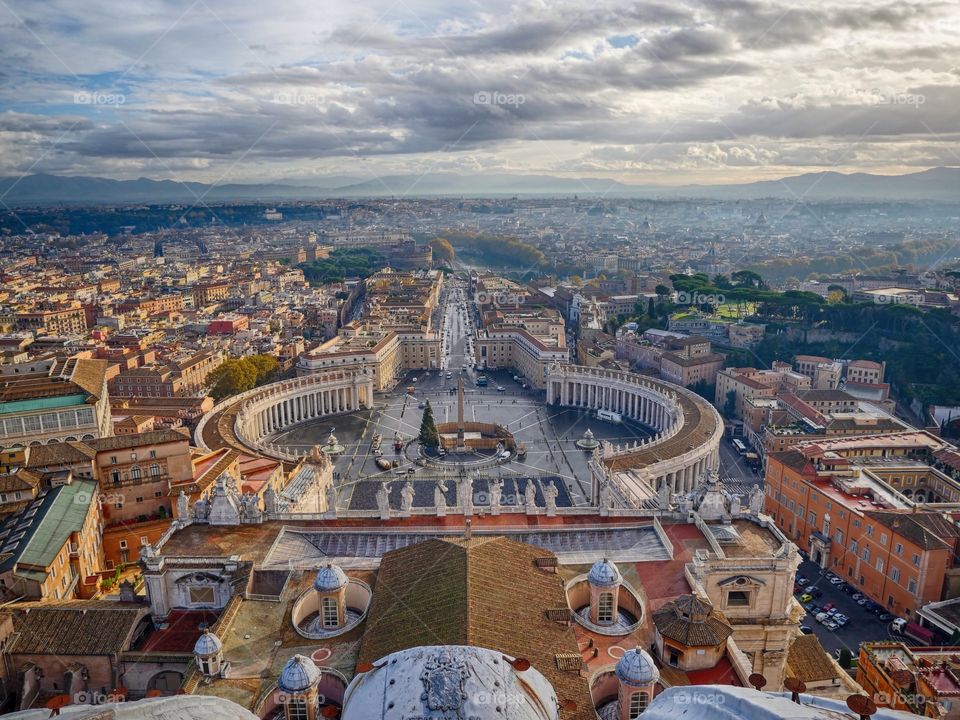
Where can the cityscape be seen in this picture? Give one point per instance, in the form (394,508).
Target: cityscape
(526,362)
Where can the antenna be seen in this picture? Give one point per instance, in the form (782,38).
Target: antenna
(757,680)
(862,706)
(795,687)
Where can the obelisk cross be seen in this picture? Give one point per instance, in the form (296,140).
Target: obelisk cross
(460,432)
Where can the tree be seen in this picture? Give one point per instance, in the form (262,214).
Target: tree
(662,291)
(232,377)
(265,366)
(748,278)
(443,251)
(730,405)
(651,309)
(428,437)
(576,281)
(722,282)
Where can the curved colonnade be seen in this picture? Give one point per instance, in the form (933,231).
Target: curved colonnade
(250,418)
(689,428)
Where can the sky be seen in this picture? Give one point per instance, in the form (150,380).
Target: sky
(660,92)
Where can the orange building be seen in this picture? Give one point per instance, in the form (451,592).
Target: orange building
(842,512)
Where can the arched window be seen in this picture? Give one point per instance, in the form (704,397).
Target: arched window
(328,606)
(155,470)
(638,703)
(135,472)
(605,608)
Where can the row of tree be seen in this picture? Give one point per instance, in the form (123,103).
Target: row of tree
(238,375)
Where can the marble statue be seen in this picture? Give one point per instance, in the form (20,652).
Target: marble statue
(183,506)
(664,496)
(406,497)
(606,496)
(734,505)
(250,507)
(756,500)
(439,499)
(383,501)
(466,495)
(201,509)
(496,492)
(270,503)
(530,497)
(332,499)
(550,493)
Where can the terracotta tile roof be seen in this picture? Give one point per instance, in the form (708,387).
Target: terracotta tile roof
(808,661)
(89,375)
(484,592)
(20,480)
(76,628)
(692,622)
(927,530)
(154,437)
(59,453)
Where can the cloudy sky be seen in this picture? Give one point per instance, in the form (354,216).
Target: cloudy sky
(661,91)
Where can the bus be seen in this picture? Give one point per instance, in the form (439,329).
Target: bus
(482,381)
(739,446)
(609,416)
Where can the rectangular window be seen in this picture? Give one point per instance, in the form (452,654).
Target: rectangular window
(883,539)
(898,549)
(866,554)
(853,546)
(879,564)
(330,619)
(916,560)
(895,574)
(738,598)
(869,530)
(605,608)
(201,595)
(912,586)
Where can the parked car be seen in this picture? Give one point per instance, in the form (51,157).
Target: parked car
(822,617)
(806,598)
(835,580)
(831,625)
(806,630)
(815,591)
(885,617)
(829,606)
(862,601)
(812,608)
(857,596)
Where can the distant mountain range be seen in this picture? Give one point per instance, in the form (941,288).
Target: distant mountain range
(936,184)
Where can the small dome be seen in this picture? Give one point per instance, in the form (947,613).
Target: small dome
(330,578)
(636,668)
(604,573)
(207,645)
(298,675)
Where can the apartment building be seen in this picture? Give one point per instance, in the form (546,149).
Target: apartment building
(872,512)
(52,400)
(60,320)
(52,549)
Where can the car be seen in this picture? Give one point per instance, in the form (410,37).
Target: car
(831,625)
(822,617)
(815,591)
(801,580)
(501,388)
(806,597)
(421,405)
(413,379)
(841,618)
(862,601)
(835,580)
(806,630)
(848,588)
(857,596)
(885,617)
(830,576)
(811,607)
(833,612)
(829,606)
